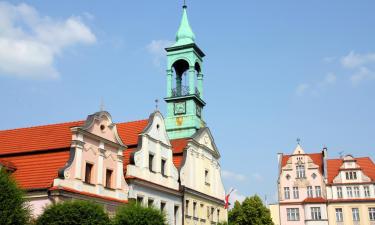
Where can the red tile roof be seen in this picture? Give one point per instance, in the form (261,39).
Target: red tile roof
(365,163)
(54,136)
(38,170)
(314,200)
(129,131)
(317,158)
(8,165)
(178,146)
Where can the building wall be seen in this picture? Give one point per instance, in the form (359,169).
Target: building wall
(171,201)
(274,210)
(202,214)
(347,213)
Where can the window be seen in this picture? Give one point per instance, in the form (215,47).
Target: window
(315,213)
(187,207)
(355,213)
(295,193)
(286,193)
(88,172)
(150,203)
(356,192)
(212,213)
(162,206)
(108,178)
(339,192)
(300,171)
(218,215)
(339,215)
(351,175)
(367,191)
(349,192)
(175,214)
(163,162)
(292,214)
(140,200)
(318,191)
(194,209)
(206,177)
(310,192)
(371,213)
(150,162)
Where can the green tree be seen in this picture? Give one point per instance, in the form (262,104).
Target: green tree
(250,212)
(135,214)
(74,213)
(13,207)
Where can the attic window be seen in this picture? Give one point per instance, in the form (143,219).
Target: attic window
(313,175)
(102,127)
(157,126)
(287,176)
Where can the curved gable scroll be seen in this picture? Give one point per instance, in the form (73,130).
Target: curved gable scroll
(205,139)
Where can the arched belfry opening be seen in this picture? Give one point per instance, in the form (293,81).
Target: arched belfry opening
(184,84)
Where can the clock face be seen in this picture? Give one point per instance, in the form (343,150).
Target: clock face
(179,108)
(199,111)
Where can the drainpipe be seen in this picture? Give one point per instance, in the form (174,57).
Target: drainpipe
(183,205)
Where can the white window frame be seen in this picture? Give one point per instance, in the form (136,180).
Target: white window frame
(292,214)
(310,192)
(371,213)
(295,193)
(286,193)
(355,214)
(349,192)
(339,215)
(316,213)
(318,191)
(300,171)
(366,190)
(339,192)
(356,192)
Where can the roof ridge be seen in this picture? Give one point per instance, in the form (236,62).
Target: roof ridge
(40,126)
(134,121)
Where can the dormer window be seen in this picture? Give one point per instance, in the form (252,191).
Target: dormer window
(88,173)
(206,177)
(108,178)
(351,175)
(163,164)
(300,171)
(151,162)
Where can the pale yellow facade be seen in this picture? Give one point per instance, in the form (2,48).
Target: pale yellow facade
(199,210)
(364,218)
(275,213)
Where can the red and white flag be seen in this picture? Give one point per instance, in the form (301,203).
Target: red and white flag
(227,198)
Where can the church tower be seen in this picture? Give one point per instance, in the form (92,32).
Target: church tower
(184,84)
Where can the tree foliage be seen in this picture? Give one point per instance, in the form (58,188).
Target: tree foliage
(74,213)
(13,207)
(135,214)
(250,212)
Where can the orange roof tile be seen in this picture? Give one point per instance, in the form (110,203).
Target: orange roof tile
(54,136)
(177,160)
(314,200)
(38,170)
(178,145)
(129,131)
(365,163)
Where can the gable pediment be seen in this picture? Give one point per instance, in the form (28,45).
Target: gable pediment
(156,129)
(205,139)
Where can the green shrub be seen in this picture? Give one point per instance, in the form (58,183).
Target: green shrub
(135,214)
(74,213)
(13,207)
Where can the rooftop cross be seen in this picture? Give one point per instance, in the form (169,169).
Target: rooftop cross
(298,140)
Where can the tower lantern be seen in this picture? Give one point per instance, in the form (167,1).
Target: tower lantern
(184,99)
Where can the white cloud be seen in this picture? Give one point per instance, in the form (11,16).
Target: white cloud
(157,49)
(354,60)
(362,74)
(29,42)
(233,176)
(257,177)
(315,88)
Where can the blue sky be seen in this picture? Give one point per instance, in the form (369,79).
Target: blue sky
(274,71)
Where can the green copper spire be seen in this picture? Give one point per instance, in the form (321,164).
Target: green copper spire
(185,34)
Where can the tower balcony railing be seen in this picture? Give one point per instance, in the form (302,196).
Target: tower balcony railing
(183,91)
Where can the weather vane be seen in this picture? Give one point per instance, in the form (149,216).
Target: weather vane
(184,3)
(298,140)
